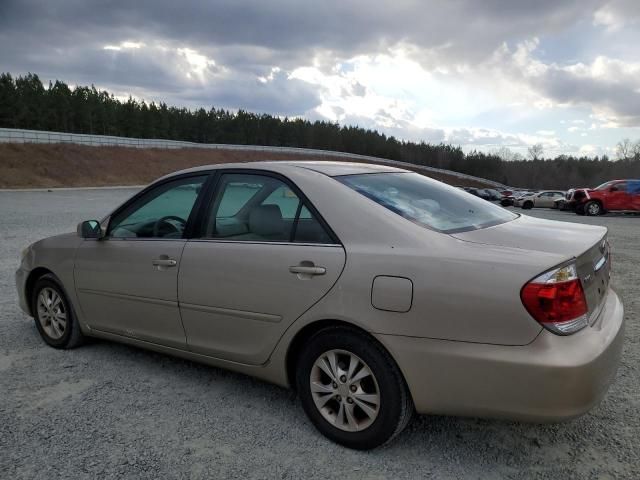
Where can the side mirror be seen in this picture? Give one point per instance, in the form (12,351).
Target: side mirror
(89,229)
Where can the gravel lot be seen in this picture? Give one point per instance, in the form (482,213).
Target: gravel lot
(114,411)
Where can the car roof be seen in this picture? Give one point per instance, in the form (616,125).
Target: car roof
(330,168)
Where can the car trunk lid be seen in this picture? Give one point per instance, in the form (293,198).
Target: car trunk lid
(586,243)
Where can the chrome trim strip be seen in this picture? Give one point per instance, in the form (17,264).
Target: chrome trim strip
(262,317)
(123,296)
(600,263)
(299,244)
(140,239)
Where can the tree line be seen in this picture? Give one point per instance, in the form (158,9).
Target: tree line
(26,103)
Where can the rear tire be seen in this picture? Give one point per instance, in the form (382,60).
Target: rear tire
(593,208)
(362,413)
(54,316)
(580,209)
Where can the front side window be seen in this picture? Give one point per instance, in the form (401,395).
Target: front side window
(261,208)
(162,212)
(619,187)
(427,202)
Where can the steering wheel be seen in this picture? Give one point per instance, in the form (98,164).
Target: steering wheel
(165,221)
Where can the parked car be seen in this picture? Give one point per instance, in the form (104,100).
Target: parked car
(510,200)
(543,199)
(370,312)
(613,196)
(569,201)
(492,194)
(483,193)
(477,192)
(507,201)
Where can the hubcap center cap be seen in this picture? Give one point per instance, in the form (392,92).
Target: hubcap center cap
(343,390)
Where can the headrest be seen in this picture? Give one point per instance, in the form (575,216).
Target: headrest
(266,220)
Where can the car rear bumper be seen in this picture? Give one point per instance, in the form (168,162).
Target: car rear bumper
(21,282)
(551,379)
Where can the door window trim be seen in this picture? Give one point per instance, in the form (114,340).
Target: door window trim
(189,226)
(206,206)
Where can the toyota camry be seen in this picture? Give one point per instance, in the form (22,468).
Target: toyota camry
(363,287)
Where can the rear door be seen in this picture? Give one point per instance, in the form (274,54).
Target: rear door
(546,199)
(542,199)
(555,197)
(263,258)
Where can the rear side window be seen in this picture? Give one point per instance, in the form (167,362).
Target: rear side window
(261,208)
(427,202)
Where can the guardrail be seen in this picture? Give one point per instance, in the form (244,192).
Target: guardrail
(15,135)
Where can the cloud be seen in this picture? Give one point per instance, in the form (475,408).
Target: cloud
(609,86)
(616,14)
(465,29)
(489,73)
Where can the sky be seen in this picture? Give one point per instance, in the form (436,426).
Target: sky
(484,75)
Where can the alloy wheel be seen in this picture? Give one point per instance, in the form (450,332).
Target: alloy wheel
(52,314)
(345,390)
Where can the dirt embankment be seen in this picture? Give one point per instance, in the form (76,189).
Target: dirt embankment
(68,165)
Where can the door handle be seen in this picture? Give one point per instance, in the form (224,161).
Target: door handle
(164,262)
(307,270)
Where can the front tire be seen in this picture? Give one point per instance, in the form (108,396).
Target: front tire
(351,389)
(53,314)
(527,205)
(593,208)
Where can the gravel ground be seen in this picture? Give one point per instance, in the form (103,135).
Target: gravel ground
(114,411)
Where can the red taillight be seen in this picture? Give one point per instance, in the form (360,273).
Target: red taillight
(556,300)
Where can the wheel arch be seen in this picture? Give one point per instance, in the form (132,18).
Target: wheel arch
(598,201)
(305,333)
(30,284)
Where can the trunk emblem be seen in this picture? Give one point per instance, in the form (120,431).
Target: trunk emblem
(587,278)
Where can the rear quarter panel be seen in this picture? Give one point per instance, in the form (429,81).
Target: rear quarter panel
(461,290)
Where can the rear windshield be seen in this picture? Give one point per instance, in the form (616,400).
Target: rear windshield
(427,202)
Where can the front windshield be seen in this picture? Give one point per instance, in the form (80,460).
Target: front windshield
(427,202)
(603,186)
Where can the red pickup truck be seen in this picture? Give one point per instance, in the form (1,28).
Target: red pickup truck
(613,196)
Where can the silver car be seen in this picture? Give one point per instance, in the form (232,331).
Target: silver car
(372,291)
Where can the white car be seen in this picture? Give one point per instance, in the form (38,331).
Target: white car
(544,199)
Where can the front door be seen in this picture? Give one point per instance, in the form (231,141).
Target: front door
(127,282)
(618,198)
(633,187)
(263,259)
